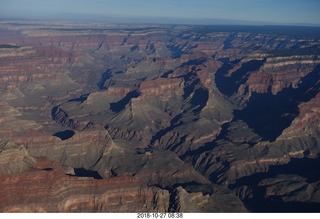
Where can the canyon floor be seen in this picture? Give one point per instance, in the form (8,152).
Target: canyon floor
(103,117)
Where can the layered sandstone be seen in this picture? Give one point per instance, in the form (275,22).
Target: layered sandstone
(50,190)
(153,116)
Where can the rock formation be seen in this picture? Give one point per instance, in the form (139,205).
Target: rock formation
(102,117)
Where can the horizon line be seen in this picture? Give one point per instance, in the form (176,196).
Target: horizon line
(154,20)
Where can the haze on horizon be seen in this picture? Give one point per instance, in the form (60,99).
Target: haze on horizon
(296,12)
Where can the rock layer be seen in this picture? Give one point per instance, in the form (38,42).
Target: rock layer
(101,117)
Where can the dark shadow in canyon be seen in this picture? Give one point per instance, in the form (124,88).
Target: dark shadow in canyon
(199,99)
(228,42)
(121,104)
(230,85)
(8,46)
(81,172)
(191,81)
(193,62)
(64,135)
(176,51)
(105,76)
(268,115)
(166,74)
(80,99)
(173,124)
(303,167)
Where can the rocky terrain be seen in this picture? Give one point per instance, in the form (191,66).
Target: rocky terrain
(100,117)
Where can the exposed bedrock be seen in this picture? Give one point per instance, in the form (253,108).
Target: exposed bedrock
(51,190)
(118,118)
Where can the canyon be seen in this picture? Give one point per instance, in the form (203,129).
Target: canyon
(103,117)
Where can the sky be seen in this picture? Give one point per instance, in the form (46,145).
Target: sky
(296,12)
